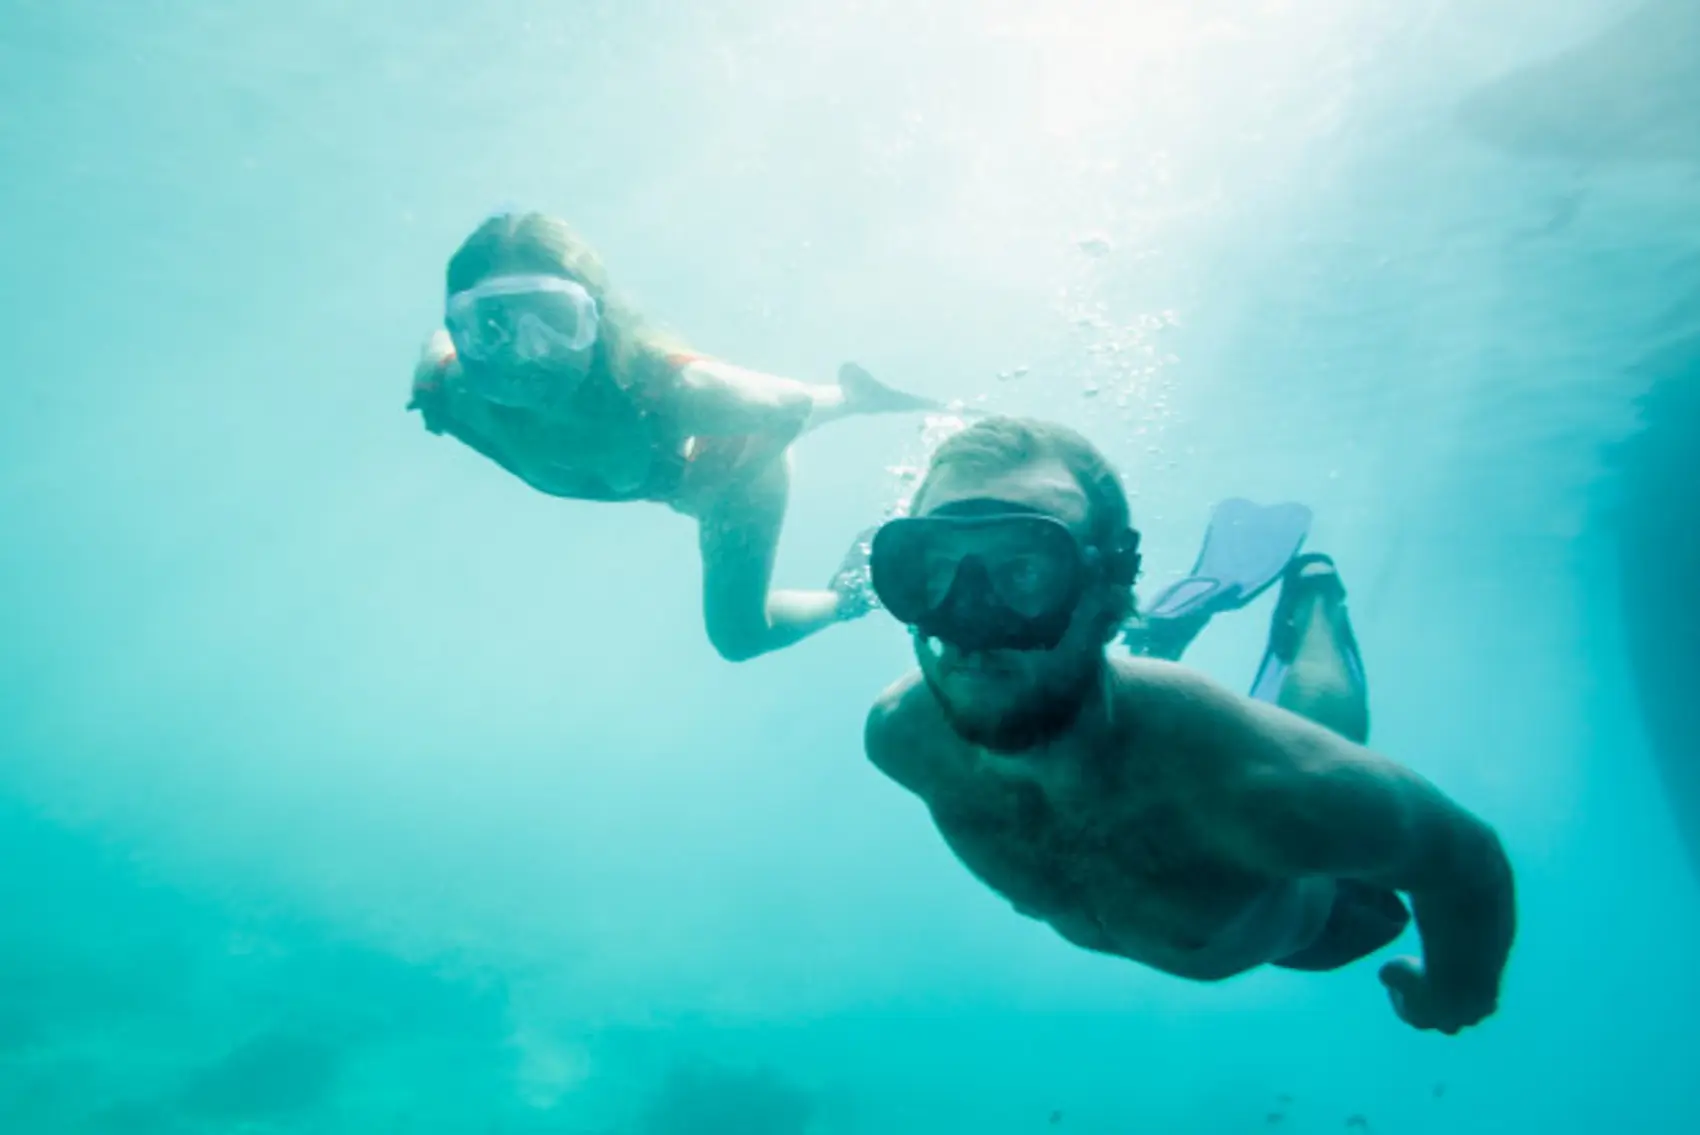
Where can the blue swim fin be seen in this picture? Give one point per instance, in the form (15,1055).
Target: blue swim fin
(1245,550)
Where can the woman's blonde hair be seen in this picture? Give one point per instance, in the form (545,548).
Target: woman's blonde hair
(627,347)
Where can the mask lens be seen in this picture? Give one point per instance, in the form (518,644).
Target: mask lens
(938,572)
(1031,582)
(523,320)
(1009,577)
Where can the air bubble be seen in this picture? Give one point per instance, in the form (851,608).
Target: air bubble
(1094,244)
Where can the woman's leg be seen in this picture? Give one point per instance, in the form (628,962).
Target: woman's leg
(739,535)
(717,399)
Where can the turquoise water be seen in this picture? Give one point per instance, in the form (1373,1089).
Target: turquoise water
(347,785)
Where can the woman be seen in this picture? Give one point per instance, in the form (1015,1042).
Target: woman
(544,370)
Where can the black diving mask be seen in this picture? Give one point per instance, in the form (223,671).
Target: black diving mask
(989,575)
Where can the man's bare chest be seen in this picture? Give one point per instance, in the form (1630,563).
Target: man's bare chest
(1127,854)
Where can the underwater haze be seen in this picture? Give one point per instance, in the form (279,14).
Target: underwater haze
(349,785)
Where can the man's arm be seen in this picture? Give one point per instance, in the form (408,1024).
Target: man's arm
(1300,800)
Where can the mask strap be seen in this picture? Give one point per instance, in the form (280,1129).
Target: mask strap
(1123,557)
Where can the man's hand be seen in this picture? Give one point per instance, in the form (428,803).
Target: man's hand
(1422,1004)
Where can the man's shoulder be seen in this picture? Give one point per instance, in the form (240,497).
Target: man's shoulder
(896,711)
(1184,713)
(1167,695)
(893,695)
(1226,742)
(900,729)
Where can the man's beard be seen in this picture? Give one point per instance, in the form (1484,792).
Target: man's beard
(1042,714)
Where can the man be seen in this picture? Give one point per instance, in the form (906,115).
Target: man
(1132,804)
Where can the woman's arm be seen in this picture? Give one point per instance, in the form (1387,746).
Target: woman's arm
(435,366)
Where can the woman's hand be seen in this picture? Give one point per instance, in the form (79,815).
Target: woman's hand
(437,364)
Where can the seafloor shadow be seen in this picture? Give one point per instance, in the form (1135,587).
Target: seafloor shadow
(1657,524)
(701,1099)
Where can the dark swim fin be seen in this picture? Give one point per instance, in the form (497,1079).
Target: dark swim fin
(865,394)
(1245,550)
(1284,631)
